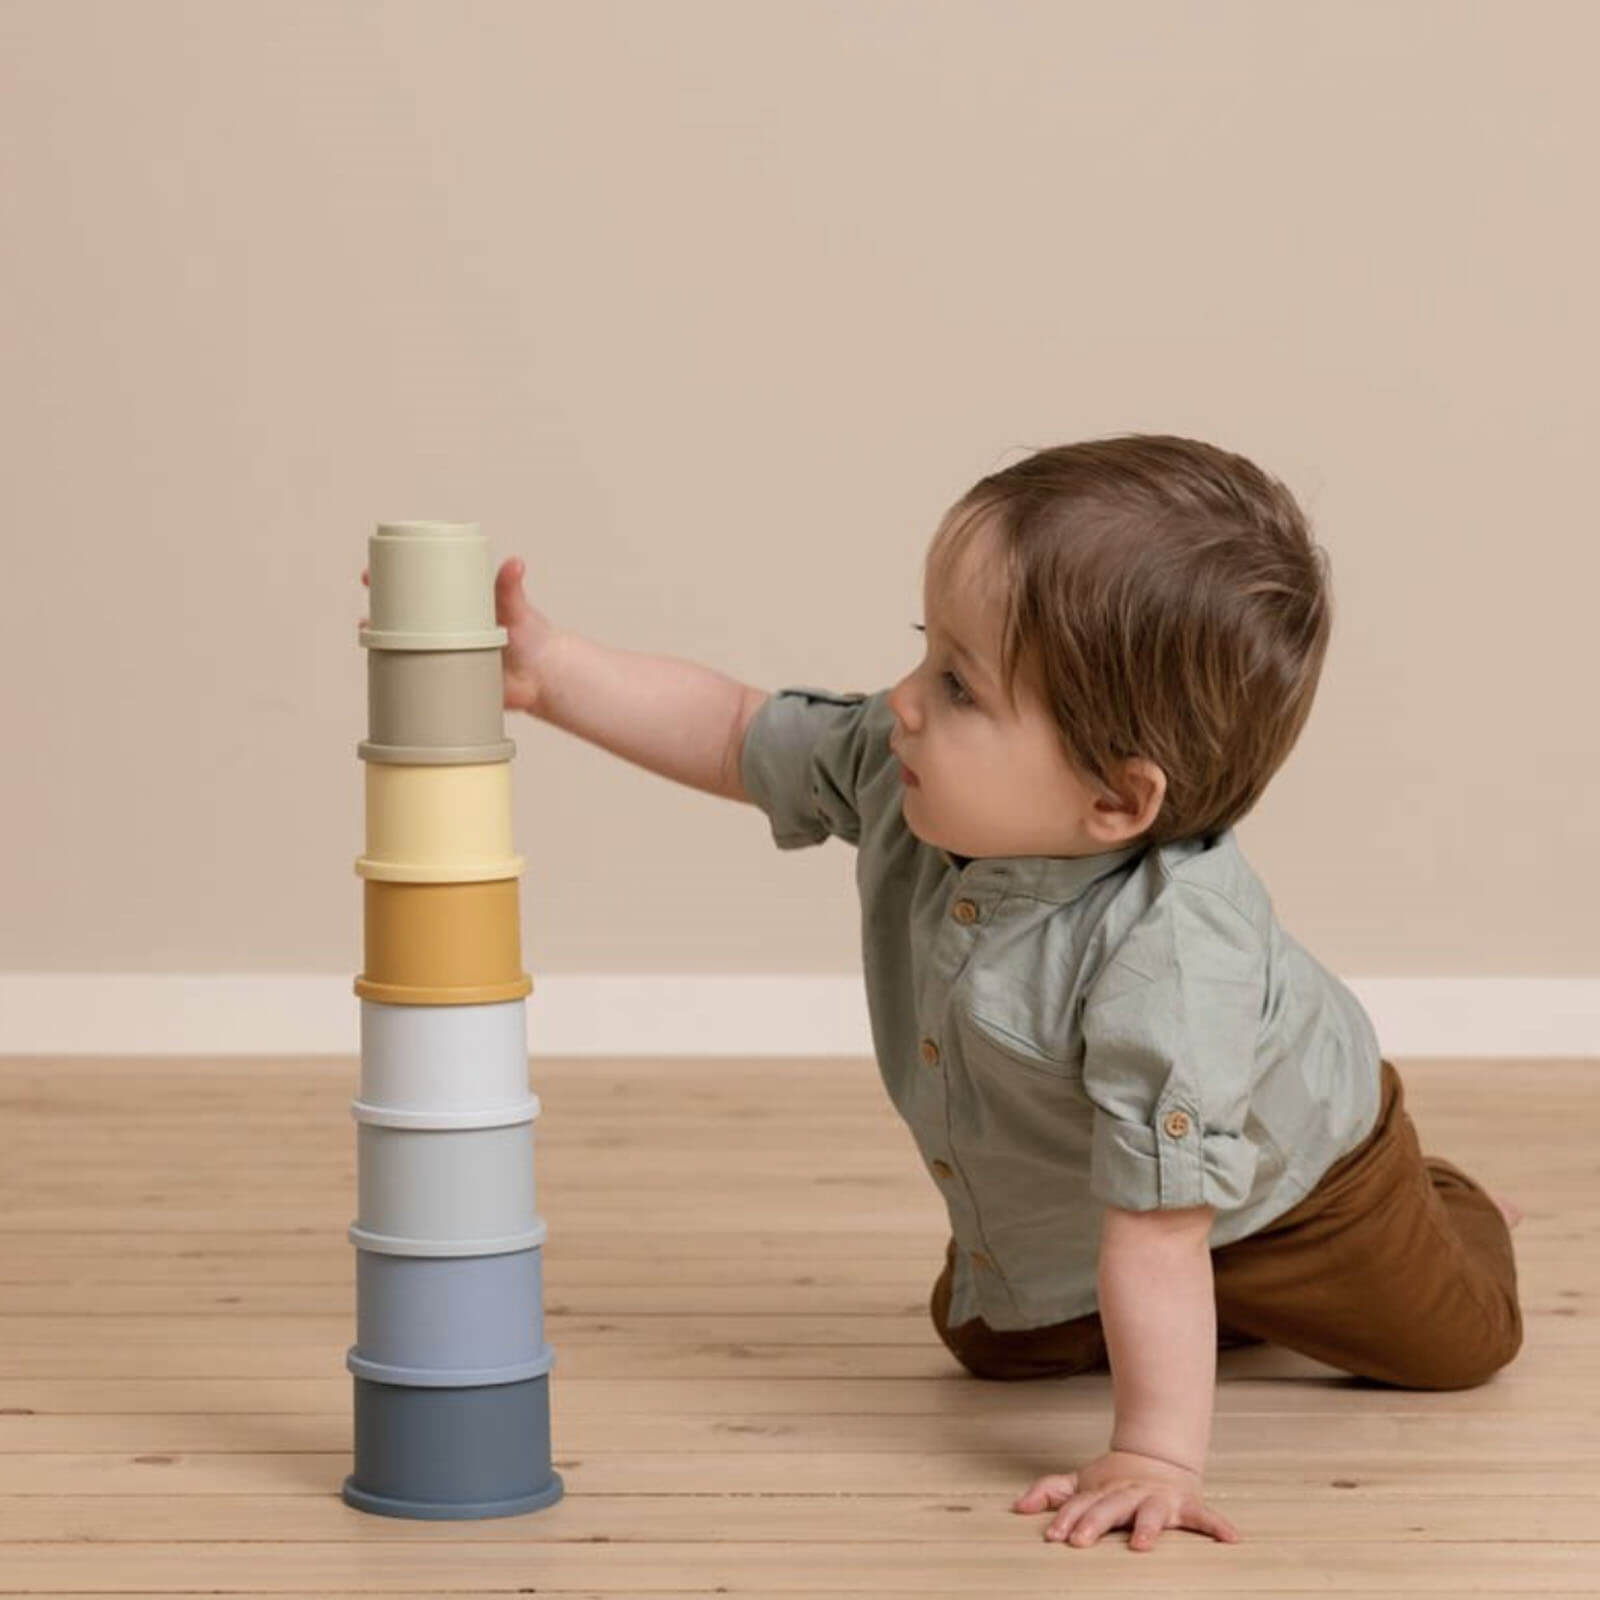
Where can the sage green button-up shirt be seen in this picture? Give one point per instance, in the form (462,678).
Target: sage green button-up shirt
(1062,1034)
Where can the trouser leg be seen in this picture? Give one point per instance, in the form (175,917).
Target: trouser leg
(1397,1267)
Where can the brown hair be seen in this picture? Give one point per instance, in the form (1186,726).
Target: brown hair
(1165,599)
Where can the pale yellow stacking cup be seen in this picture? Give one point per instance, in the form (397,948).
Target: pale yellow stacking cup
(439,824)
(443,944)
(432,588)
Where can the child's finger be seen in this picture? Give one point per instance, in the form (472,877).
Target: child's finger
(1148,1521)
(1214,1523)
(510,602)
(1049,1491)
(1111,1510)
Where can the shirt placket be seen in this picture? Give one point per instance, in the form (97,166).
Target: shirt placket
(953,946)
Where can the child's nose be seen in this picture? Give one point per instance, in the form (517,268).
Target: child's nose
(899,704)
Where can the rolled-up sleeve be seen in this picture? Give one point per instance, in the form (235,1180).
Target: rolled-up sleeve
(807,755)
(1170,1029)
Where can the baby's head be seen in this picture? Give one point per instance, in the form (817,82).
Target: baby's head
(1124,638)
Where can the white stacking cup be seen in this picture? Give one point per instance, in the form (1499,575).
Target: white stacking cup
(446,1066)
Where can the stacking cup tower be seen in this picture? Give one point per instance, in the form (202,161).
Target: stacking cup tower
(452,1402)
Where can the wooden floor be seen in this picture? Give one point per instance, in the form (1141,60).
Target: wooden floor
(748,1397)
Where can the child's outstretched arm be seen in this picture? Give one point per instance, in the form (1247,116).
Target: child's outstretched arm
(674,717)
(1158,1309)
(678,719)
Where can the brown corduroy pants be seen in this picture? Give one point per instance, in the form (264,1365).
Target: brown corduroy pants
(1396,1266)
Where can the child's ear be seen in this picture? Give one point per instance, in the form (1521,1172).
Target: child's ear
(1142,786)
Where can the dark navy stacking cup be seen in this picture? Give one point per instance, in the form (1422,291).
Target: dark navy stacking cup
(450,1364)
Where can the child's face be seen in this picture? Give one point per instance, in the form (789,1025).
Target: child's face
(991,778)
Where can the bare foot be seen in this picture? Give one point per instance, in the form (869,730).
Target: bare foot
(1509,1209)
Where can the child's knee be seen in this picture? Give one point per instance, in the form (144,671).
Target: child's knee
(1465,1363)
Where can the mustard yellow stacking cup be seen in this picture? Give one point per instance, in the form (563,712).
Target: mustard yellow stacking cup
(443,944)
(432,588)
(439,824)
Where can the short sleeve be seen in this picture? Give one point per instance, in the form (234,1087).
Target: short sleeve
(808,753)
(1171,1027)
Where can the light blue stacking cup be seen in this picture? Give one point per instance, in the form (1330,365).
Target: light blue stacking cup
(428,1191)
(449,1322)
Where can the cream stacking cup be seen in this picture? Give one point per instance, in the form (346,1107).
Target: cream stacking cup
(439,824)
(450,1365)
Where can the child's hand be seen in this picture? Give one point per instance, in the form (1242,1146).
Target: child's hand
(1122,1487)
(528,634)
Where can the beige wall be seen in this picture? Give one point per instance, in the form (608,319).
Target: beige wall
(708,310)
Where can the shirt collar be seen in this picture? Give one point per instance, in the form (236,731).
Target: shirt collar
(1058,878)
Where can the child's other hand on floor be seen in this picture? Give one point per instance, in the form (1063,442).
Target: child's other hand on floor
(1122,1487)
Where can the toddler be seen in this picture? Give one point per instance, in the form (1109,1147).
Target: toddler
(1158,1123)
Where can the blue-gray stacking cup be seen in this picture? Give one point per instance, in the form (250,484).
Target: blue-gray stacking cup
(445,1060)
(442,1454)
(444,1191)
(443,1322)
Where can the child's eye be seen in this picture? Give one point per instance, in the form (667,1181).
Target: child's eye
(958,690)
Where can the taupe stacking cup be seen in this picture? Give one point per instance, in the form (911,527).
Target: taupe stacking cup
(435,707)
(432,588)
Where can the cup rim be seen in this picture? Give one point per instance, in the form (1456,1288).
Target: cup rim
(506,1116)
(390,639)
(448,1377)
(389,1244)
(435,994)
(413,529)
(438,871)
(437,755)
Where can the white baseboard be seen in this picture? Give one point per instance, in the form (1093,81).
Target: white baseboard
(575,1014)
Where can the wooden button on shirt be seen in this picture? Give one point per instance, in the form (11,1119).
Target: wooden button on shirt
(1062,1034)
